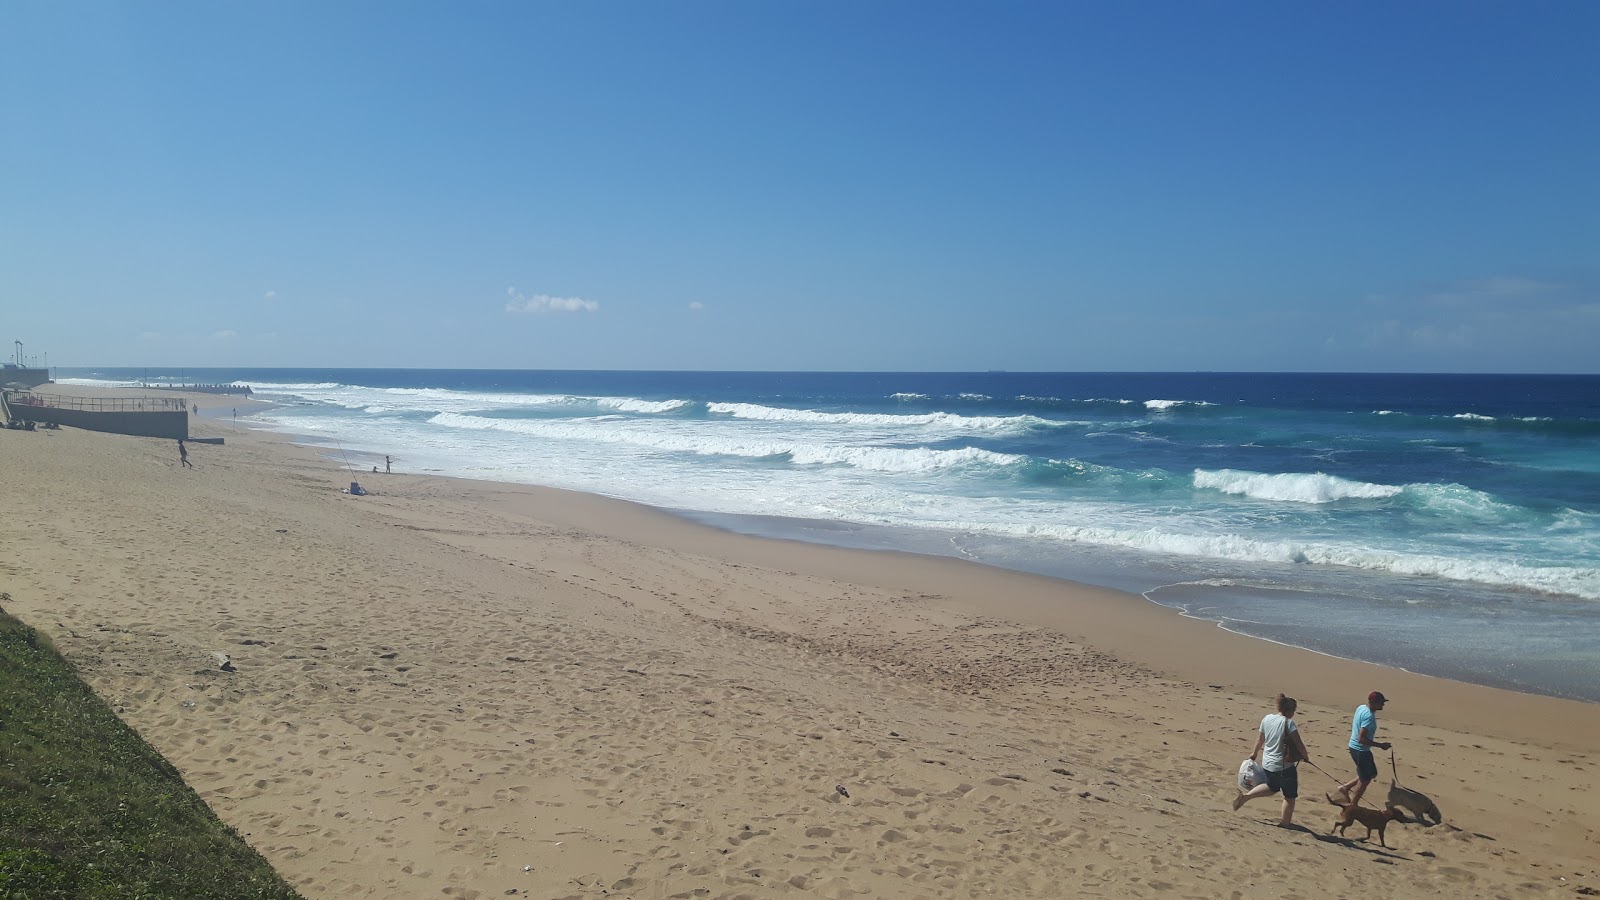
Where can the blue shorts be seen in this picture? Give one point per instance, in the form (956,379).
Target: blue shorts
(1287,781)
(1366,766)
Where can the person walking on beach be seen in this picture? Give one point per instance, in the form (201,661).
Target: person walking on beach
(1279,748)
(1363,731)
(183,455)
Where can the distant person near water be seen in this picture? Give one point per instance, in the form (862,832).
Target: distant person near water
(386,469)
(183,455)
(1363,730)
(1279,747)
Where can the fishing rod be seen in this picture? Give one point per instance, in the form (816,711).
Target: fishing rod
(347,464)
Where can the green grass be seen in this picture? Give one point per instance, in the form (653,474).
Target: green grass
(89,810)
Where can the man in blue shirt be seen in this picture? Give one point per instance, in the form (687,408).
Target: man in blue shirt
(1363,730)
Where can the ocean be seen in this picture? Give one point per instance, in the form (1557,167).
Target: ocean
(1444,524)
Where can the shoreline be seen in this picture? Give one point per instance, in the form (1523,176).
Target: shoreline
(442,682)
(1129,621)
(797,530)
(1429,625)
(1034,615)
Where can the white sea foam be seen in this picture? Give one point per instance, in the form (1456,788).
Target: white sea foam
(407,399)
(826,480)
(969,396)
(634,405)
(433,398)
(1164,405)
(1142,437)
(1577,581)
(904,395)
(1572,520)
(878,459)
(1291,487)
(274,387)
(1464,502)
(96,382)
(1057,401)
(1473,417)
(757,412)
(908,460)
(909,470)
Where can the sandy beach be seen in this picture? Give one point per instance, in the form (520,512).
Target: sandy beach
(468,689)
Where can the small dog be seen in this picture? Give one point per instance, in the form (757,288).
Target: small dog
(1414,802)
(1375,819)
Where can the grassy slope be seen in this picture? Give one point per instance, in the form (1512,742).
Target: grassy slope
(89,810)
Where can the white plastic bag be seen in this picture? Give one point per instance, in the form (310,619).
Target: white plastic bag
(1251,774)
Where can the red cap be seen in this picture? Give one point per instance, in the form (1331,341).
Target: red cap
(1377,697)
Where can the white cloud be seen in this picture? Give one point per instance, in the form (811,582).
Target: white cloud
(544,303)
(224,334)
(1497,290)
(1433,337)
(1504,323)
(270,295)
(1483,314)
(1515,286)
(696,305)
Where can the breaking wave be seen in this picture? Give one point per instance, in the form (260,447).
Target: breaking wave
(634,405)
(907,460)
(757,412)
(1165,405)
(1576,581)
(1291,487)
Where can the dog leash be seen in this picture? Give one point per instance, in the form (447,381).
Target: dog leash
(1334,780)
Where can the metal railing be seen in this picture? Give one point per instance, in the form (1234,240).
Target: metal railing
(21,400)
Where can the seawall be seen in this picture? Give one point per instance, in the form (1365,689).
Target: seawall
(139,416)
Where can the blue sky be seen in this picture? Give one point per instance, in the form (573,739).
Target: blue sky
(821,185)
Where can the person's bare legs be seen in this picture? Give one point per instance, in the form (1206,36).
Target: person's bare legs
(1288,813)
(1260,790)
(1360,786)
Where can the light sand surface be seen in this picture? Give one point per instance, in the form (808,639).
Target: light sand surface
(469,689)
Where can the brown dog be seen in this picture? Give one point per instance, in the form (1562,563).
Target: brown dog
(1375,819)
